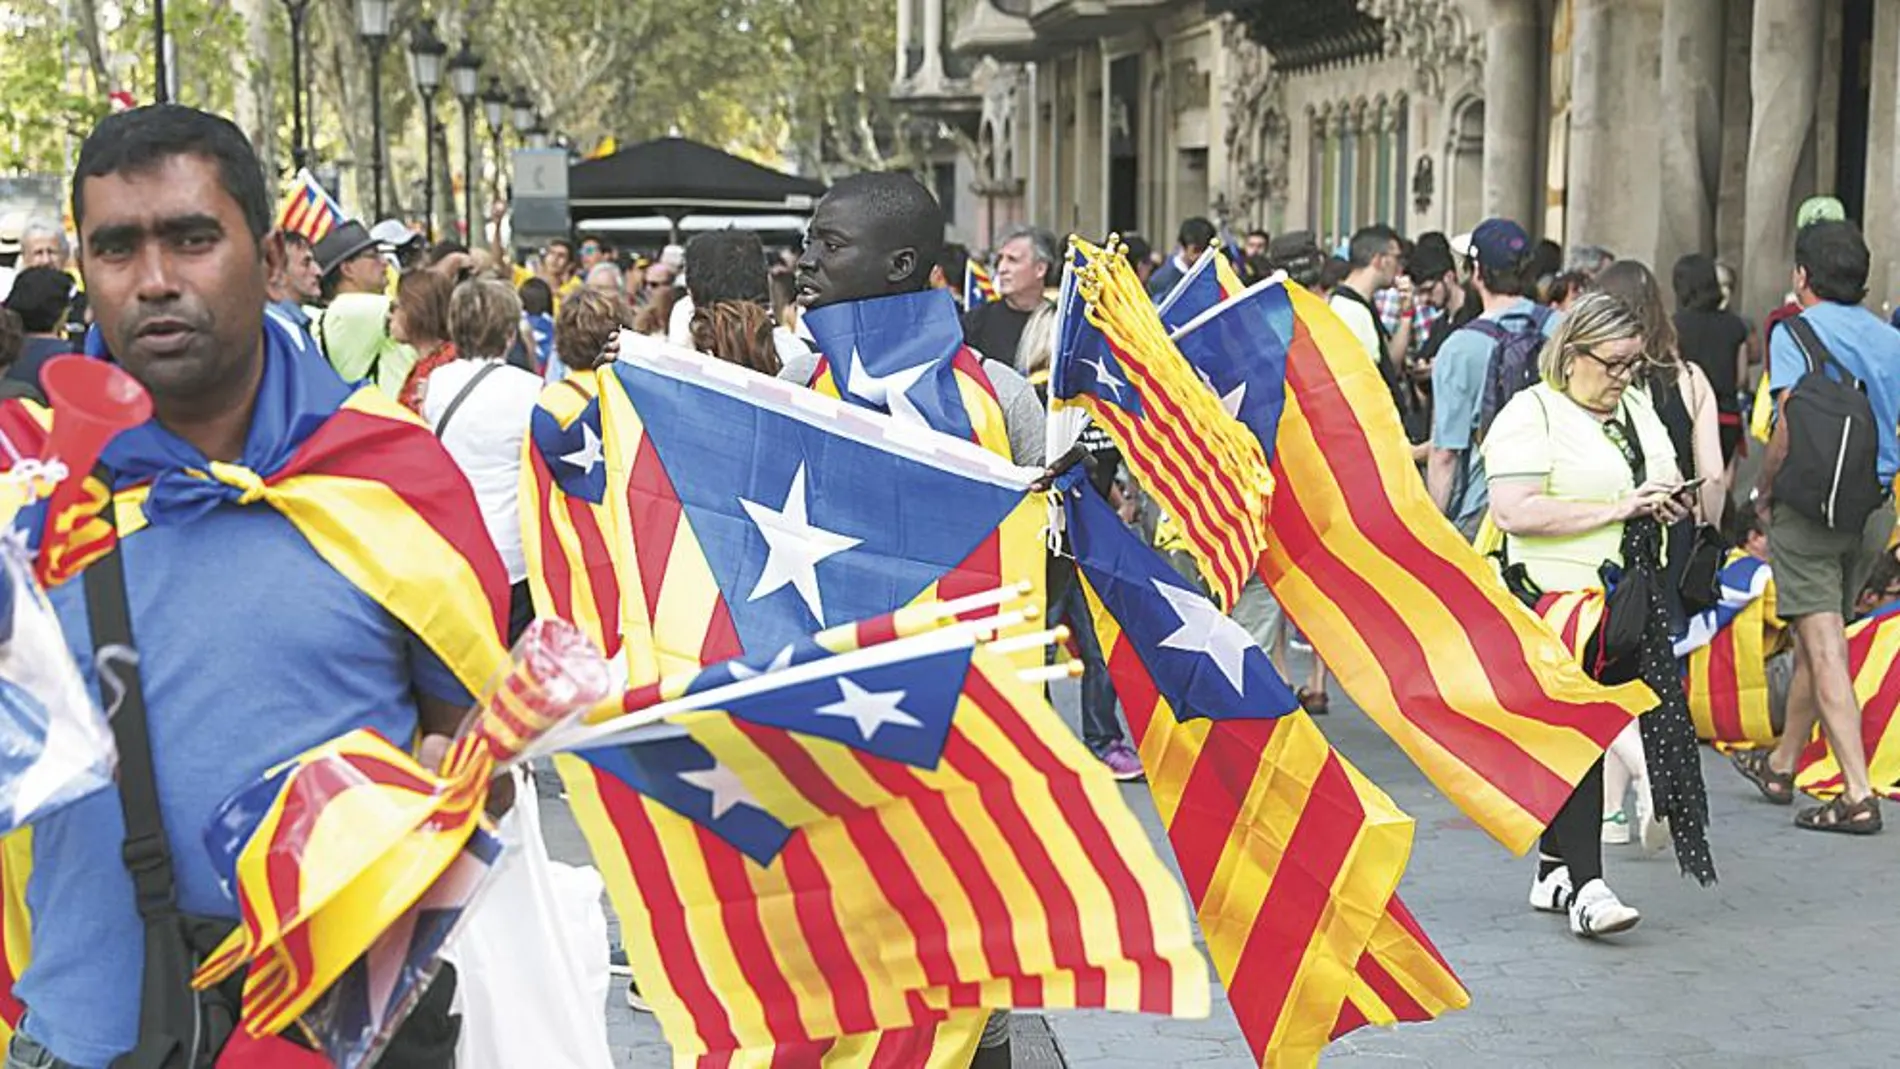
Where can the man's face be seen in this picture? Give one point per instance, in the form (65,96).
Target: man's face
(1255,245)
(367,271)
(302,278)
(590,254)
(43,250)
(175,280)
(1388,264)
(1018,273)
(844,259)
(659,277)
(556,261)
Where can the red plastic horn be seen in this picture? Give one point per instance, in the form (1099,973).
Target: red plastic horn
(92,401)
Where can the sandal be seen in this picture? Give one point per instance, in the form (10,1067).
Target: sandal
(1842,816)
(1315,702)
(1777,787)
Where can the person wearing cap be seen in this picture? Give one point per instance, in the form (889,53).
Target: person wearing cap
(401,241)
(39,297)
(1500,258)
(352,330)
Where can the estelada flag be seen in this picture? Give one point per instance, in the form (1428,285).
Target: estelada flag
(1291,857)
(1417,626)
(1872,644)
(978,287)
(1209,281)
(309,209)
(1726,652)
(567,534)
(901,902)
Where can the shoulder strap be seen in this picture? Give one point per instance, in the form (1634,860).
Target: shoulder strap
(442,425)
(1813,350)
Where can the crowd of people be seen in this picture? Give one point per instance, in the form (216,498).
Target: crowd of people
(1561,415)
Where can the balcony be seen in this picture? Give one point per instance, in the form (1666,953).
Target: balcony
(1076,21)
(997,28)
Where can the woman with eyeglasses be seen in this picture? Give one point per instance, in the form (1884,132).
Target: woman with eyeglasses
(1582,475)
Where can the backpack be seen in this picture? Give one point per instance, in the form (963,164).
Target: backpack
(1516,341)
(1831,471)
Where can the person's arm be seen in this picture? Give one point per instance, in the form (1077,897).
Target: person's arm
(1772,458)
(1706,429)
(1521,507)
(1741,365)
(1441,473)
(1785,365)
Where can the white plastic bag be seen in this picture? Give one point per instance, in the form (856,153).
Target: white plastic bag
(531,962)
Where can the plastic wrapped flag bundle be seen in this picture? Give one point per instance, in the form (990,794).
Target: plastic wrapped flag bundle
(352,863)
(55,745)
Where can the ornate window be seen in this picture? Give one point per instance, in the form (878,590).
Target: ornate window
(1357,174)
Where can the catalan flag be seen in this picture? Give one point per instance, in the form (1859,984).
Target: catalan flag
(308,208)
(1416,625)
(1727,650)
(566,531)
(978,287)
(1115,362)
(1209,281)
(900,902)
(1291,857)
(1873,642)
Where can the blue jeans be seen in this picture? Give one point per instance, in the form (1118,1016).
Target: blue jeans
(1100,727)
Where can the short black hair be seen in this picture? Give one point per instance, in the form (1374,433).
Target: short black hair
(1513,281)
(1697,288)
(1836,260)
(1547,258)
(537,299)
(1138,249)
(563,243)
(12,337)
(726,265)
(1370,242)
(40,297)
(898,209)
(1256,232)
(144,137)
(441,251)
(296,239)
(1196,232)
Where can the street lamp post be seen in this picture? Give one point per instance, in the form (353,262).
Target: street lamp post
(372,25)
(538,133)
(494,110)
(299,151)
(465,80)
(425,53)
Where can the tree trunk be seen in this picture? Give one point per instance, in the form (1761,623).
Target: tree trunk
(252,103)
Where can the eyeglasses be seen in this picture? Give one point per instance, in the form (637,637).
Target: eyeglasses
(660,284)
(1616,369)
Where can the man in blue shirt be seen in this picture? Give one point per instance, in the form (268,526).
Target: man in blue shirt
(1500,260)
(1819,571)
(251,646)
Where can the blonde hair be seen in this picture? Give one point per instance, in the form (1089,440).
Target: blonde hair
(484,318)
(1596,319)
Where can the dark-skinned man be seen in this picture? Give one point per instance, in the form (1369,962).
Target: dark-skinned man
(252,646)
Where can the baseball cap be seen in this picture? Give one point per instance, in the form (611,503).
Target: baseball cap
(393,233)
(1497,244)
(340,244)
(1820,210)
(12,231)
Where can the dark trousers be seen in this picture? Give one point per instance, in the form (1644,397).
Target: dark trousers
(1575,835)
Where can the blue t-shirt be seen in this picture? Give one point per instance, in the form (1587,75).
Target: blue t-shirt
(1870,351)
(1458,373)
(252,649)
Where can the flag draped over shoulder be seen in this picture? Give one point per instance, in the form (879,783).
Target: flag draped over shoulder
(1872,646)
(1291,857)
(1114,361)
(567,533)
(308,208)
(358,476)
(790,897)
(1416,625)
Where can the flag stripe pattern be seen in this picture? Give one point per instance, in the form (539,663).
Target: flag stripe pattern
(309,209)
(905,901)
(566,531)
(1417,626)
(1872,646)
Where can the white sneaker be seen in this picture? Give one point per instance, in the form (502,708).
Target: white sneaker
(1651,829)
(1597,911)
(1616,828)
(1551,894)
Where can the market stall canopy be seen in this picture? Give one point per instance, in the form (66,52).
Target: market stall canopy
(673,177)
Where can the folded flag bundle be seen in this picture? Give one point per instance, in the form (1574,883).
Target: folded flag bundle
(1872,645)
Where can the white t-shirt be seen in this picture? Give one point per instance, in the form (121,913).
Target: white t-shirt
(1358,319)
(485,439)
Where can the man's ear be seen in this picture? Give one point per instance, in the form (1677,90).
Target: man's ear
(903,266)
(274,254)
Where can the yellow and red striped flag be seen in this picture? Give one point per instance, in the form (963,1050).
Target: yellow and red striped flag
(1417,626)
(309,209)
(895,905)
(1872,646)
(1291,856)
(1726,653)
(566,531)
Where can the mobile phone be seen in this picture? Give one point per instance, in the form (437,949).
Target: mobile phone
(1690,487)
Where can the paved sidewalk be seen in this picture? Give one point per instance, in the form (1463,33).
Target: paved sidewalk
(1698,984)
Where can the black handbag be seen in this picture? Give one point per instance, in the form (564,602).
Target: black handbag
(1614,652)
(1701,585)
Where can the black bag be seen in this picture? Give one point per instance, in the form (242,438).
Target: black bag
(1831,471)
(1614,654)
(1700,587)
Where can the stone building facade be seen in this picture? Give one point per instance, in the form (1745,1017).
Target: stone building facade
(1651,127)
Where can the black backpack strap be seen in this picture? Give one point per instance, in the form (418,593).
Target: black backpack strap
(1815,351)
(442,425)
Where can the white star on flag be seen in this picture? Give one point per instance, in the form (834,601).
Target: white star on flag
(892,389)
(870,710)
(1206,631)
(1104,376)
(588,454)
(793,547)
(742,671)
(724,786)
(1232,399)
